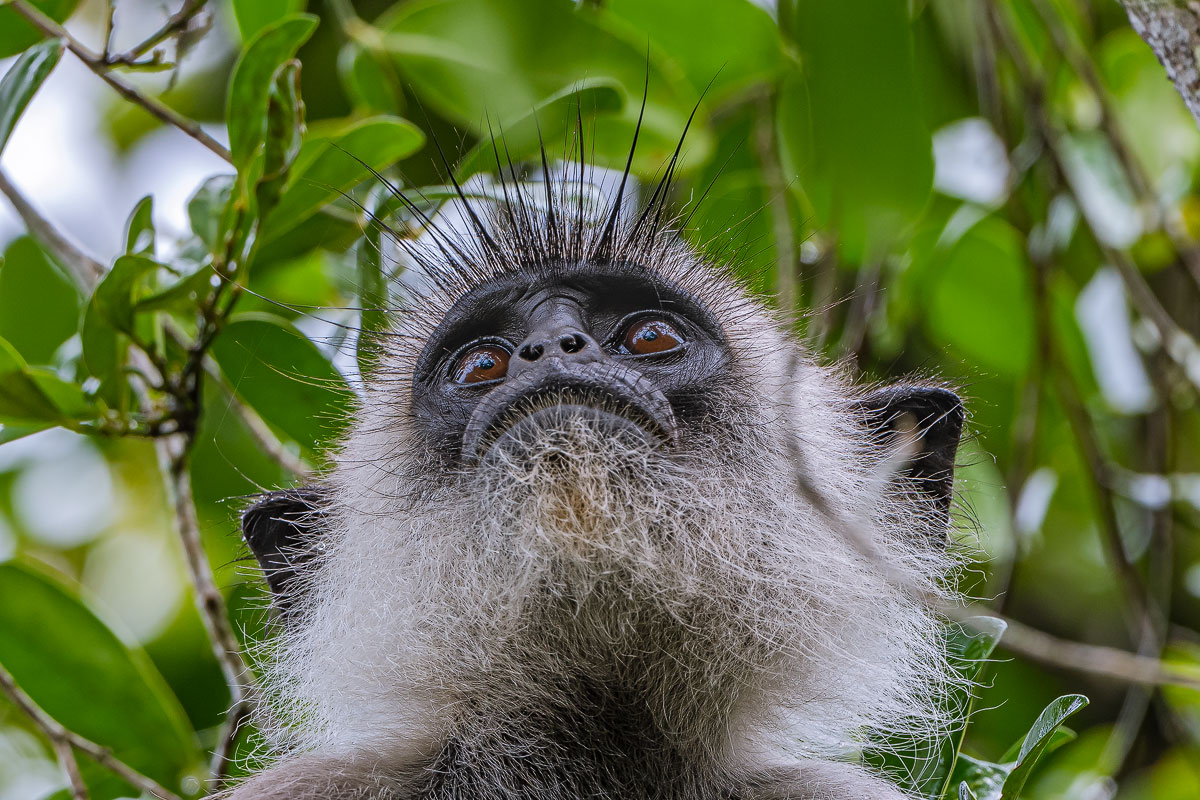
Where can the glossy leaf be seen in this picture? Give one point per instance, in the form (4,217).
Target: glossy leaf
(115,295)
(246,106)
(285,378)
(549,121)
(983,779)
(22,80)
(748,49)
(254,15)
(478,59)
(370,79)
(16,33)
(285,129)
(21,398)
(81,674)
(325,168)
(1038,739)
(372,295)
(39,305)
(851,130)
(139,231)
(978,297)
(206,207)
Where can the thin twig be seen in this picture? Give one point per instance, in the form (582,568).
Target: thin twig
(1106,662)
(174,24)
(266,440)
(95,62)
(66,759)
(64,740)
(222,759)
(174,453)
(86,270)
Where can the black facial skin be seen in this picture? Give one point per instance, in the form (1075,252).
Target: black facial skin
(564,332)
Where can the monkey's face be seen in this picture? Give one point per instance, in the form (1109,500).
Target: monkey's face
(523,359)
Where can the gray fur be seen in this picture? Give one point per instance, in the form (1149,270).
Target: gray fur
(724,618)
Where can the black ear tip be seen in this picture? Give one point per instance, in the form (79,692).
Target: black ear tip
(938,414)
(279,528)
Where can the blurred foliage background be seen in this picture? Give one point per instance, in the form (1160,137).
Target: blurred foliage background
(1001,193)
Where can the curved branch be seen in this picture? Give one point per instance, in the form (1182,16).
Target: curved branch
(96,63)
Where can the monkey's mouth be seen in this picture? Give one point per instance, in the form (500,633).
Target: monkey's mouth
(615,400)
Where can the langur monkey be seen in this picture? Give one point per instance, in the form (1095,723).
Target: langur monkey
(603,529)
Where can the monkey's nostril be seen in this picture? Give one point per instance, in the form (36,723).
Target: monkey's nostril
(572,342)
(531,352)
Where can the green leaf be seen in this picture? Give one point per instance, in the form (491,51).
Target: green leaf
(552,118)
(139,231)
(21,398)
(285,378)
(23,79)
(16,33)
(370,80)
(1039,738)
(254,15)
(323,171)
(81,674)
(10,432)
(285,129)
(246,106)
(748,48)
(852,129)
(39,305)
(475,59)
(182,296)
(114,296)
(372,296)
(206,206)
(983,779)
(978,298)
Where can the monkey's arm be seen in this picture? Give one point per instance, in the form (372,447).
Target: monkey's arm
(317,777)
(825,780)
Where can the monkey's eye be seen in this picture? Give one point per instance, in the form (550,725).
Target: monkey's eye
(650,335)
(485,362)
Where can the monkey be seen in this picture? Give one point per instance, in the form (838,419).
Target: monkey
(603,528)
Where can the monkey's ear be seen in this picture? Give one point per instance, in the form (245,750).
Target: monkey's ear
(281,529)
(924,424)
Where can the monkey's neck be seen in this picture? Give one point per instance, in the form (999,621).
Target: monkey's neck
(583,732)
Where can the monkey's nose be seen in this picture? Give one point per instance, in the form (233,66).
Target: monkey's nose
(568,344)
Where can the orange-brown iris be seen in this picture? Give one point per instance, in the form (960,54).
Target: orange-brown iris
(651,336)
(487,362)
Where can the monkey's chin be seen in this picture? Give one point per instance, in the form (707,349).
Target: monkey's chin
(559,428)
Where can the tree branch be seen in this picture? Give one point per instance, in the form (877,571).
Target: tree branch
(86,271)
(1104,662)
(96,63)
(1172,29)
(64,741)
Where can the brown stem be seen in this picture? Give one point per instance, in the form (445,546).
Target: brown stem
(174,24)
(66,741)
(1105,662)
(174,453)
(95,62)
(86,271)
